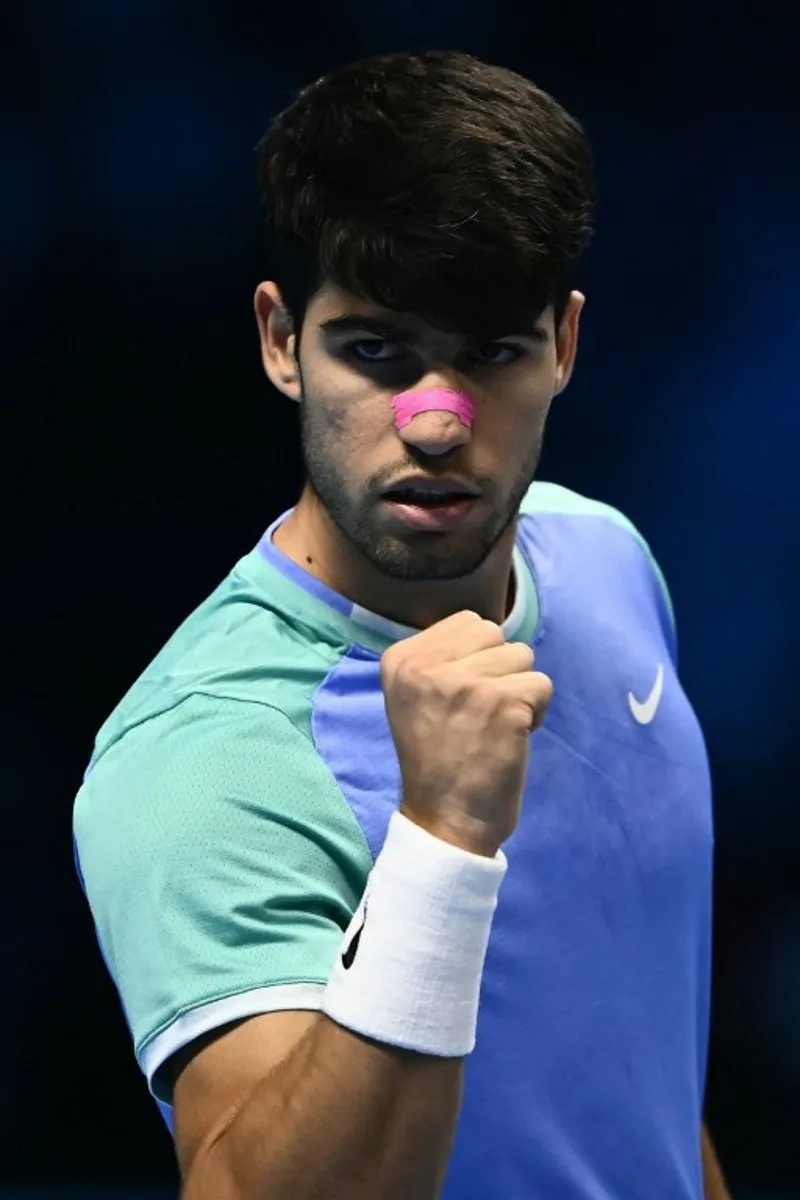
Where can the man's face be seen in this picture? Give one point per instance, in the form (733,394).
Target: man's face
(353,451)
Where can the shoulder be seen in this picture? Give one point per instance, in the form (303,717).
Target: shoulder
(239,648)
(545,499)
(552,498)
(197,763)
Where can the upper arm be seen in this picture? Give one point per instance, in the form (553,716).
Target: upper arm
(714,1186)
(212,1077)
(222,866)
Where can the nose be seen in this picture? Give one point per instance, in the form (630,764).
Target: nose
(434,432)
(434,419)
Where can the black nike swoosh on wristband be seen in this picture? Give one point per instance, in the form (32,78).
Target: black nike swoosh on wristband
(348,955)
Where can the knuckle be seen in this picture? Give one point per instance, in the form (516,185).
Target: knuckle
(391,655)
(388,667)
(406,672)
(397,668)
(524,654)
(521,717)
(488,695)
(492,633)
(466,616)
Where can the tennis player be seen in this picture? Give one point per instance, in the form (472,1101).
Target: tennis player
(400,851)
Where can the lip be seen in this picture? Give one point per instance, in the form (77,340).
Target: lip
(441,517)
(432,483)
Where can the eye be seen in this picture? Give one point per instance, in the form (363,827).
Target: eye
(380,351)
(484,354)
(367,350)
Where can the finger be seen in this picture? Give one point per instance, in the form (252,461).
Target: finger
(533,689)
(454,638)
(508,659)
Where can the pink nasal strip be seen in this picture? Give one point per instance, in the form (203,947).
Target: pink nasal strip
(408,404)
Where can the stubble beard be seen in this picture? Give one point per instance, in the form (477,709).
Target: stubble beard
(422,557)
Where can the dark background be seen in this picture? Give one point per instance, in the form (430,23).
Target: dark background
(146,452)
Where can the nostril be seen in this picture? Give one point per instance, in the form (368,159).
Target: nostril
(435,432)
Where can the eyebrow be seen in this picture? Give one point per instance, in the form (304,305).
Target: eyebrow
(388,328)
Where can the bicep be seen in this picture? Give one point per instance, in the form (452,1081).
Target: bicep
(213,1076)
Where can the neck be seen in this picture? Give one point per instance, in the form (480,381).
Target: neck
(311,539)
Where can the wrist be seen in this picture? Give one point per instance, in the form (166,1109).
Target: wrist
(410,965)
(460,830)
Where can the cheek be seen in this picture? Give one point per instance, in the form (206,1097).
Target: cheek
(515,422)
(537,396)
(350,426)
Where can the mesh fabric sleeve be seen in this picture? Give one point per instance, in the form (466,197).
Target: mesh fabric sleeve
(222,866)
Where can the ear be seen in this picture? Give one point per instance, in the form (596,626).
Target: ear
(567,340)
(277,337)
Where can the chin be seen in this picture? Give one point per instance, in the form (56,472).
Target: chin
(447,556)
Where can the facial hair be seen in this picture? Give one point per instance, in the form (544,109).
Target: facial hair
(414,558)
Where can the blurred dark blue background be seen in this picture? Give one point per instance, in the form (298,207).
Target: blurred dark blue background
(147,452)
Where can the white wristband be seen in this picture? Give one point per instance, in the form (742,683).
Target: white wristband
(410,966)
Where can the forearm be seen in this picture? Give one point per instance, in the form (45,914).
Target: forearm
(342,1116)
(714,1186)
(348,1115)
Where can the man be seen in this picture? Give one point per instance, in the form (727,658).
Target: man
(368,945)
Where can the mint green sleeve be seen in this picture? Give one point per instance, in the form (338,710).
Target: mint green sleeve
(222,866)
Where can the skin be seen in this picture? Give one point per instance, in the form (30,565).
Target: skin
(340,530)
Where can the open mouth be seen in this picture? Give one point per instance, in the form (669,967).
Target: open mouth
(430,510)
(427,499)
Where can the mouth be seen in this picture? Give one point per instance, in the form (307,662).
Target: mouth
(430,509)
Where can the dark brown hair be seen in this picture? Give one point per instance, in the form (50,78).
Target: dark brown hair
(430,183)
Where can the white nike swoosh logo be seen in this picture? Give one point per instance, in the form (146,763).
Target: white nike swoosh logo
(643,711)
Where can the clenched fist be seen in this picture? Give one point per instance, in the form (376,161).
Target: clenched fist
(462,703)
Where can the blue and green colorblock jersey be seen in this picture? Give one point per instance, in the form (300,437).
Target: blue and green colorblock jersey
(238,796)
